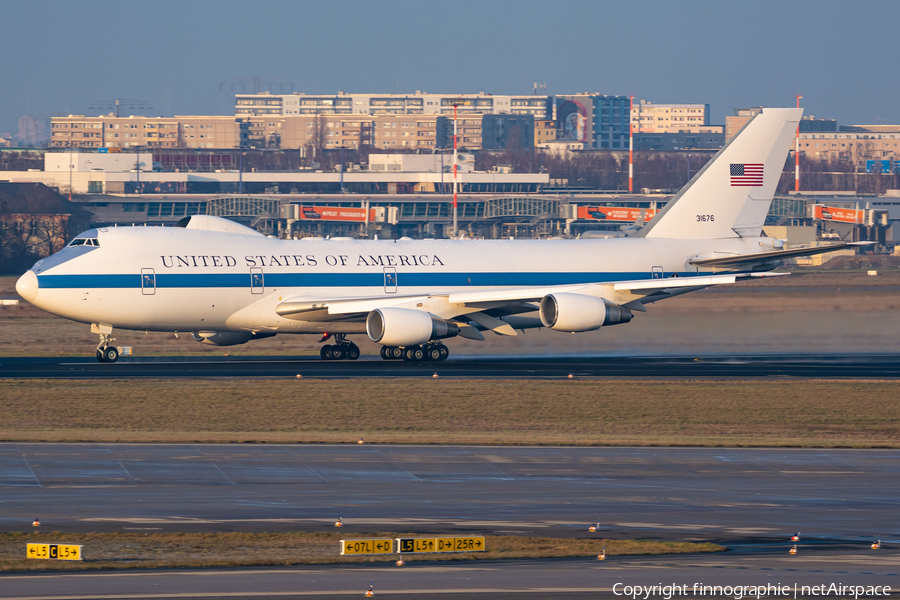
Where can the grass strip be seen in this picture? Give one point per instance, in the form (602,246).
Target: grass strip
(159,550)
(800,413)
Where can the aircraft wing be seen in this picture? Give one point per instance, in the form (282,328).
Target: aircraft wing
(485,307)
(768,257)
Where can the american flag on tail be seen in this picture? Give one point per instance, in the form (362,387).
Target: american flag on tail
(746,174)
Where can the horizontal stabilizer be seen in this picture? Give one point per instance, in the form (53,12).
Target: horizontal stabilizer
(768,257)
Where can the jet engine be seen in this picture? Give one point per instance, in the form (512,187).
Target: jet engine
(227,338)
(580,312)
(407,327)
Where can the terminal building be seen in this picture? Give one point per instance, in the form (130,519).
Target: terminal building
(411,195)
(141,173)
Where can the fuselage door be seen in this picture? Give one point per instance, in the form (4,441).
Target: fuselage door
(656,273)
(390,280)
(148,282)
(257,284)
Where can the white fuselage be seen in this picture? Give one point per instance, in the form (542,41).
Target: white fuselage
(176,279)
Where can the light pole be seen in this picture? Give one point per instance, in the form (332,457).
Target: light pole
(341,148)
(138,165)
(70,174)
(797,154)
(630,144)
(241,172)
(455,168)
(456,102)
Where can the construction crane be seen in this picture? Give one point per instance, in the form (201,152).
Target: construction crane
(119,106)
(257,84)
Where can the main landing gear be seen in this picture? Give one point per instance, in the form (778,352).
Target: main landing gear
(342,350)
(430,352)
(105,352)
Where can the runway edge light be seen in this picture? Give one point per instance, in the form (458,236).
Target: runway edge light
(36,522)
(602,555)
(794,549)
(876,544)
(340,521)
(401,562)
(370,591)
(796,536)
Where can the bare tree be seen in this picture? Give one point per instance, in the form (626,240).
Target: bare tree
(319,137)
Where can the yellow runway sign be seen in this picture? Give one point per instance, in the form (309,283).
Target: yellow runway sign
(356,547)
(454,544)
(54,551)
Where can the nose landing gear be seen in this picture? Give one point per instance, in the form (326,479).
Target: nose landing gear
(107,353)
(342,350)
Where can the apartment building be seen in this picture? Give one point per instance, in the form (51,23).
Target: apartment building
(544,131)
(808,123)
(672,118)
(859,144)
(600,121)
(420,103)
(324,130)
(78,131)
(736,122)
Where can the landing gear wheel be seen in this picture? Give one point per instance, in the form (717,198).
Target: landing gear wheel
(445,352)
(110,354)
(414,354)
(384,352)
(337,353)
(100,357)
(325,352)
(433,354)
(351,352)
(396,353)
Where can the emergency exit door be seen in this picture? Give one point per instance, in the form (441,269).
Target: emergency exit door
(390,280)
(257,283)
(148,282)
(656,273)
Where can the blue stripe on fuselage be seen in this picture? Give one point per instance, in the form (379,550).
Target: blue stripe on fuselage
(332,280)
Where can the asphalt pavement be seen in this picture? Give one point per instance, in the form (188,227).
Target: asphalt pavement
(750,500)
(881,366)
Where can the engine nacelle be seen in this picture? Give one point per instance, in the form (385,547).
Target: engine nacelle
(407,327)
(580,312)
(226,338)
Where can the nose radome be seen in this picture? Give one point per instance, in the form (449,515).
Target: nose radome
(27,286)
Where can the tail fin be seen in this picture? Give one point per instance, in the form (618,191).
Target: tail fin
(730,196)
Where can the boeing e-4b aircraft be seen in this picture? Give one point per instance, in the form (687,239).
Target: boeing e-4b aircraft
(228,284)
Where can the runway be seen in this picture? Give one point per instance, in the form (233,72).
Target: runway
(877,366)
(750,500)
(534,579)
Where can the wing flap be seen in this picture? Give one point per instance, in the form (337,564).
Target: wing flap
(295,307)
(763,257)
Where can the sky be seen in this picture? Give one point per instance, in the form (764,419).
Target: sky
(841,56)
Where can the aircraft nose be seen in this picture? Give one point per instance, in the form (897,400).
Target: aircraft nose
(27,286)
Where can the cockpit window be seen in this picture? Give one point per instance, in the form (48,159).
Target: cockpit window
(85,242)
